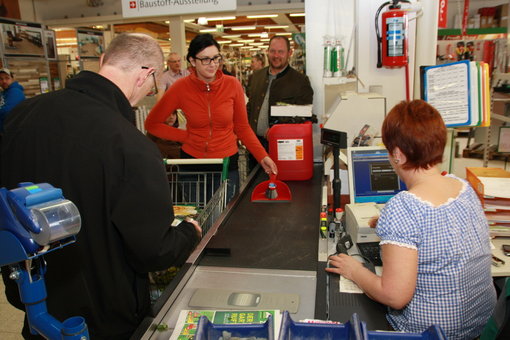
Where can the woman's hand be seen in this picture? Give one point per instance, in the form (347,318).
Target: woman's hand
(268,165)
(344,265)
(372,223)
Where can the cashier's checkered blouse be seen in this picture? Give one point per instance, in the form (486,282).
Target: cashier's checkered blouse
(454,287)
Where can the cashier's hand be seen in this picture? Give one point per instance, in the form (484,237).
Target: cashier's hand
(372,223)
(268,165)
(344,265)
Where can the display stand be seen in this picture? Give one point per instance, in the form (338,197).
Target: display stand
(26,48)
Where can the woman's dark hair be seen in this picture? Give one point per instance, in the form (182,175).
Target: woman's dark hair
(200,42)
(418,130)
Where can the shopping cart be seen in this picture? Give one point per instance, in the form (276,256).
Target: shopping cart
(201,188)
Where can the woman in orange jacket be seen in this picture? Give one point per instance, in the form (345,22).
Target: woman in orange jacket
(215,110)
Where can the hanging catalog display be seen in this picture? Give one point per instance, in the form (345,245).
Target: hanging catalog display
(460,91)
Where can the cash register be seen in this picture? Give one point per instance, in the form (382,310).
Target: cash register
(372,182)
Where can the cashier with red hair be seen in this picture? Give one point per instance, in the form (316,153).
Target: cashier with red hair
(435,243)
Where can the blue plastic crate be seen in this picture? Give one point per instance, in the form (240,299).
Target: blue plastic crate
(434,332)
(291,330)
(206,330)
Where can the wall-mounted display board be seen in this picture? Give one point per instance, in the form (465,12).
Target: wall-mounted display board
(22,38)
(26,48)
(90,43)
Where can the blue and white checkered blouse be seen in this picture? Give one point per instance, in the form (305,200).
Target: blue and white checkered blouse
(454,287)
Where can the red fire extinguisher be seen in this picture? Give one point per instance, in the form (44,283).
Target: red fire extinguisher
(393,40)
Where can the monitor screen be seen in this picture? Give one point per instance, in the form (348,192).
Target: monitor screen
(371,176)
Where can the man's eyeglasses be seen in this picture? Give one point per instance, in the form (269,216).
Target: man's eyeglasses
(154,91)
(206,61)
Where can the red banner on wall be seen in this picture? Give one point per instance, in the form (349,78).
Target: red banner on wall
(443,14)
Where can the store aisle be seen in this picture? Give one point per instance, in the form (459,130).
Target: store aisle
(11,319)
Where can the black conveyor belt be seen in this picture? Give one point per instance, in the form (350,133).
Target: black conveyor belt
(271,235)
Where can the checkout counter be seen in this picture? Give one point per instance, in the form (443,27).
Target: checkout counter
(271,249)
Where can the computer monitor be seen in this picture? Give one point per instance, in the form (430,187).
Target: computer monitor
(371,176)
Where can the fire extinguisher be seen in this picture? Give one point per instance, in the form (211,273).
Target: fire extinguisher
(393,41)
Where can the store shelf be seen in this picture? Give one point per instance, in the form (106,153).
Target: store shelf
(337,80)
(472,31)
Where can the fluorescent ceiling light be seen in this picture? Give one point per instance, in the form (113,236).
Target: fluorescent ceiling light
(221,18)
(296,14)
(206,30)
(242,28)
(247,41)
(265,39)
(254,35)
(185,20)
(231,36)
(256,44)
(224,41)
(262,16)
(286,33)
(276,26)
(245,47)
(168,21)
(264,35)
(255,49)
(202,21)
(236,45)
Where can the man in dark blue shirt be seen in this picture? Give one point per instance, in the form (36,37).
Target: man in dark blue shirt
(11,96)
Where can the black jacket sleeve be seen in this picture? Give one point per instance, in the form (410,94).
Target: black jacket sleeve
(143,214)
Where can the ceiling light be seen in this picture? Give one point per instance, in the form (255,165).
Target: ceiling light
(262,16)
(242,28)
(202,21)
(276,26)
(221,18)
(247,41)
(256,44)
(286,33)
(168,21)
(296,14)
(207,30)
(245,47)
(254,35)
(224,41)
(236,45)
(231,36)
(185,20)
(255,49)
(265,39)
(264,35)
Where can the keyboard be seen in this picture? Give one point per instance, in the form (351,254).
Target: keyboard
(371,251)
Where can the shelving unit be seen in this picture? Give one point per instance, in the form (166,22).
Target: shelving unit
(471,31)
(495,116)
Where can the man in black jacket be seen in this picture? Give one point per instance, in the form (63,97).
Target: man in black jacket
(82,139)
(276,83)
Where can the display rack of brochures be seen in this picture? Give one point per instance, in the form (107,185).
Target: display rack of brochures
(460,91)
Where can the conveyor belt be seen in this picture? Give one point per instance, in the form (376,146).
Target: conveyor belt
(272,235)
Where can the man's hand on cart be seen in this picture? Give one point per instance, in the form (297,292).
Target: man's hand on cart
(268,165)
(195,224)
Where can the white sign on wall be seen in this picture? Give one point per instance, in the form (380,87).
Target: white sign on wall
(144,8)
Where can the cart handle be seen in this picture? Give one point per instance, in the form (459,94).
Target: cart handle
(181,161)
